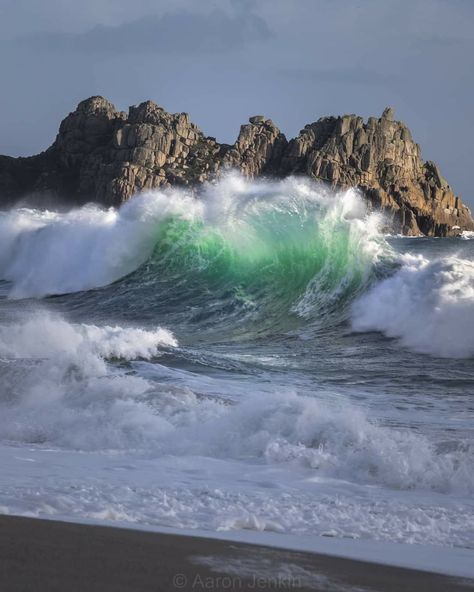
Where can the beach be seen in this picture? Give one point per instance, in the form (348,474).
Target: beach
(45,555)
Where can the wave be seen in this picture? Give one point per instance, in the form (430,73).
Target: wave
(60,387)
(248,256)
(53,371)
(44,335)
(428,305)
(252,236)
(44,253)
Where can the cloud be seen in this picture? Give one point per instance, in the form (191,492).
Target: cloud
(174,33)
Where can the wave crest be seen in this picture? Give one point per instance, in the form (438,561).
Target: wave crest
(256,235)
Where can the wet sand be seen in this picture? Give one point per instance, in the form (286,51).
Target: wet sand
(49,556)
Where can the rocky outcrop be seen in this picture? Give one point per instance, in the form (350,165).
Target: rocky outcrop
(259,149)
(104,155)
(380,157)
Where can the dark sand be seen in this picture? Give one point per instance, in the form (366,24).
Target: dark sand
(49,556)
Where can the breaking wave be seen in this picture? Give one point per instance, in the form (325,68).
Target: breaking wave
(60,387)
(428,305)
(250,256)
(267,406)
(286,233)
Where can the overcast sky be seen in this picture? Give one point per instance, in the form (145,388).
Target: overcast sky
(224,60)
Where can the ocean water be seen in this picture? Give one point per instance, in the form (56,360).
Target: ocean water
(263,358)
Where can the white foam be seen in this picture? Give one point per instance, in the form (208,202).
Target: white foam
(227,497)
(428,305)
(59,388)
(56,253)
(46,335)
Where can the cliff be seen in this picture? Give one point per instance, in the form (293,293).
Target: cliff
(103,155)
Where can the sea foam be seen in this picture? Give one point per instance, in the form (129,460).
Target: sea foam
(59,388)
(427,304)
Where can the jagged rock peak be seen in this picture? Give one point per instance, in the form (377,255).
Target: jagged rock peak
(146,112)
(257,119)
(96,106)
(258,149)
(388,113)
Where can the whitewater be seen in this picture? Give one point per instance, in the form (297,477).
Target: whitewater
(262,358)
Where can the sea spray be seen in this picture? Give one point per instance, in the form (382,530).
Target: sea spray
(55,253)
(427,304)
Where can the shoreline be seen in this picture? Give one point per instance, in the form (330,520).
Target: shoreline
(50,555)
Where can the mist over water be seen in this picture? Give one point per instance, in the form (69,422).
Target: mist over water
(260,357)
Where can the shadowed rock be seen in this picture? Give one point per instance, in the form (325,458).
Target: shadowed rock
(103,155)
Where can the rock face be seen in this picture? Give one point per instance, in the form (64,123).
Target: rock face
(381,158)
(103,155)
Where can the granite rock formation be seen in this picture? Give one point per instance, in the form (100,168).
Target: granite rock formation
(104,155)
(380,158)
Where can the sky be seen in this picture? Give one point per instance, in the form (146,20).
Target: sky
(225,60)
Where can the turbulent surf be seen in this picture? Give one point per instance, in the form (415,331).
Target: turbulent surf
(261,356)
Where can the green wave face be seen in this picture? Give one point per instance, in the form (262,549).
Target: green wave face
(267,261)
(243,257)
